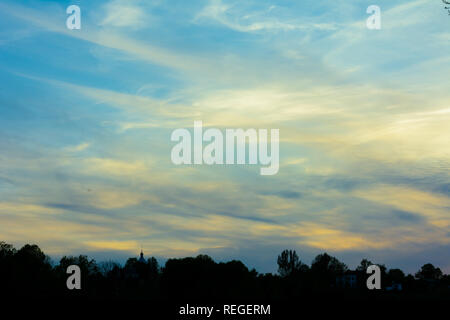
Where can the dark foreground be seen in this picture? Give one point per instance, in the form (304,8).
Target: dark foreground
(200,288)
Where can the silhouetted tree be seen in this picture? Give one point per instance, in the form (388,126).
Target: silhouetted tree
(325,269)
(6,250)
(189,277)
(32,271)
(88,266)
(396,275)
(324,263)
(429,272)
(28,273)
(7,253)
(289,263)
(153,266)
(363,265)
(106,267)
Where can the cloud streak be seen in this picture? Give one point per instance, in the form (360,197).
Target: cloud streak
(86,119)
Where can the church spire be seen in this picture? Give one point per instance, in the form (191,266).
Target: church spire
(141,256)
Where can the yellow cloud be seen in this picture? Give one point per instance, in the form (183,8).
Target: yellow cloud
(24,208)
(113,199)
(431,206)
(112,245)
(78,148)
(113,167)
(332,239)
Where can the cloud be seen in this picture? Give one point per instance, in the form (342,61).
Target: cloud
(119,13)
(106,39)
(362,116)
(407,216)
(285,194)
(80,208)
(113,167)
(432,207)
(112,245)
(236,18)
(81,147)
(6,180)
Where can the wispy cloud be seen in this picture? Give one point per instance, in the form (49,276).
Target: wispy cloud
(235,17)
(86,117)
(119,13)
(137,49)
(78,148)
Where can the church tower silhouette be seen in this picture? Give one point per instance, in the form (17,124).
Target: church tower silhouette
(141,257)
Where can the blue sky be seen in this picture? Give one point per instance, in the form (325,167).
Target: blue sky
(86,117)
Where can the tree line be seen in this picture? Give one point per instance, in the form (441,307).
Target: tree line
(29,272)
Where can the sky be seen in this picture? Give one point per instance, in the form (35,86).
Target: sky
(86,118)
